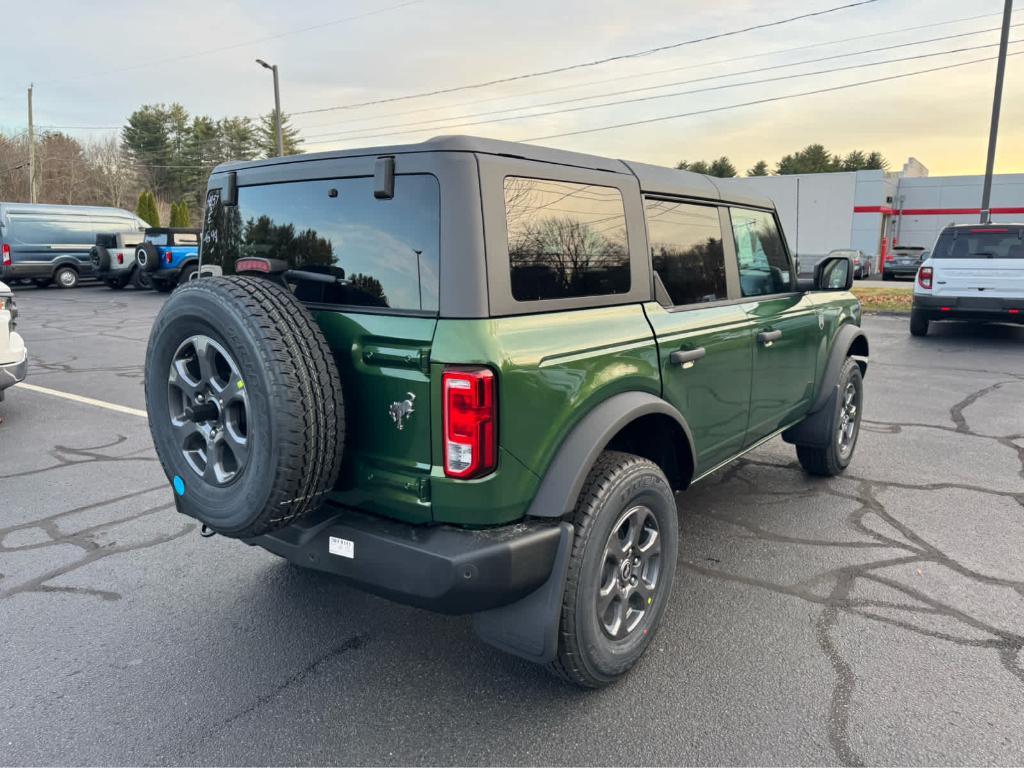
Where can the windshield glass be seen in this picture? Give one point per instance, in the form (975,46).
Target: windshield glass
(994,243)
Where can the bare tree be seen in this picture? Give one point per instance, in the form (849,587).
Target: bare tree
(112,172)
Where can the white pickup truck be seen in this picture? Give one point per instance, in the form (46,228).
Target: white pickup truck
(13,355)
(974,272)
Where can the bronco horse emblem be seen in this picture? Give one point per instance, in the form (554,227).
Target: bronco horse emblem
(401,410)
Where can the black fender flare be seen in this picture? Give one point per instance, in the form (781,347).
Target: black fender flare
(814,429)
(565,475)
(66,261)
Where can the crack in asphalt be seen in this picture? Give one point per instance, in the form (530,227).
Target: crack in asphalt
(840,601)
(89,454)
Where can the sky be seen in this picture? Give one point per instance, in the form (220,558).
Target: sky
(94,62)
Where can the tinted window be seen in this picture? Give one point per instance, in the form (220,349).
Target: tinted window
(764,266)
(386,251)
(157,238)
(42,230)
(994,243)
(686,250)
(565,240)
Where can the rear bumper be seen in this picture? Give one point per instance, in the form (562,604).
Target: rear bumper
(969,308)
(440,568)
(12,373)
(166,275)
(900,270)
(120,272)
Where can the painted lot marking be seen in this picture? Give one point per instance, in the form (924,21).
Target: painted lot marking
(82,399)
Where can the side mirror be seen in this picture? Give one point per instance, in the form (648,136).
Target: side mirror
(834,273)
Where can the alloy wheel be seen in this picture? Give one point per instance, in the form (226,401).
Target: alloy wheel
(629,572)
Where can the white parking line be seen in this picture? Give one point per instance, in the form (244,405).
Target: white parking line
(81,399)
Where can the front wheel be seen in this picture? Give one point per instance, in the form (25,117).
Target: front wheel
(831,459)
(620,572)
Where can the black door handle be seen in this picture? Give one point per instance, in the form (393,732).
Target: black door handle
(684,356)
(767,337)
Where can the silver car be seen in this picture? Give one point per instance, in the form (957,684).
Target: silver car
(861,263)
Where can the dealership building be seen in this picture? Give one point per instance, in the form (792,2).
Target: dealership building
(874,210)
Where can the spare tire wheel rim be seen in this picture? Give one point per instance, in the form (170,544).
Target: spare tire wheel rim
(209,410)
(140,256)
(629,572)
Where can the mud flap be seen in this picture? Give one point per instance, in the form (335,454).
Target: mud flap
(529,627)
(816,428)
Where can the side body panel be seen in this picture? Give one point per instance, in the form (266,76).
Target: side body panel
(552,369)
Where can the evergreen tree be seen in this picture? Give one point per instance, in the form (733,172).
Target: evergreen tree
(760,169)
(722,168)
(179,214)
(813,158)
(266,136)
(146,208)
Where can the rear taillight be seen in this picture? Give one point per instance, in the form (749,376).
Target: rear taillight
(889,257)
(470,422)
(120,258)
(169,258)
(924,278)
(6,254)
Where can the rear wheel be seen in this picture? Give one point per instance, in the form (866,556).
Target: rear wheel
(66,277)
(918,324)
(186,274)
(831,459)
(620,572)
(117,284)
(245,404)
(141,279)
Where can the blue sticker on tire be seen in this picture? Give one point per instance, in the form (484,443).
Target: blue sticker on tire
(179,485)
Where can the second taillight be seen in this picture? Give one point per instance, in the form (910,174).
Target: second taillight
(924,278)
(470,422)
(6,251)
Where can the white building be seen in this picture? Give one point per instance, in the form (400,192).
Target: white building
(874,210)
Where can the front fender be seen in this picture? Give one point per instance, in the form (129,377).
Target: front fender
(568,470)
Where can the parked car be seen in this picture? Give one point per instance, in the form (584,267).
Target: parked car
(471,375)
(974,272)
(903,261)
(13,355)
(169,255)
(861,263)
(114,263)
(51,243)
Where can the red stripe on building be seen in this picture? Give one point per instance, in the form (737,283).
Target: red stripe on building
(931,211)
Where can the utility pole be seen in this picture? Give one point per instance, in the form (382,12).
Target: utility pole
(986,194)
(277,106)
(31,151)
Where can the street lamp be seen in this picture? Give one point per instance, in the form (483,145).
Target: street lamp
(277,105)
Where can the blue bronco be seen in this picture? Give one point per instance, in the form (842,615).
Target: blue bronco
(169,256)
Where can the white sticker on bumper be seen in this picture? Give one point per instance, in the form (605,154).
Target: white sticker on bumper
(341,547)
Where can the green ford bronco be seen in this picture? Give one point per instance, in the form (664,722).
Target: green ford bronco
(471,376)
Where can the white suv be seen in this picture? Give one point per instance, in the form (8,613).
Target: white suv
(13,355)
(974,272)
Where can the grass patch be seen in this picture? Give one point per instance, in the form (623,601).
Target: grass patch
(885,299)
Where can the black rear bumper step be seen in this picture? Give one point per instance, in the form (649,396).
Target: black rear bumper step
(440,568)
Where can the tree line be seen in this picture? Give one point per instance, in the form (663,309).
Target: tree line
(161,149)
(814,158)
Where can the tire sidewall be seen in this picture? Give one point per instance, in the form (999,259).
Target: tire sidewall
(230,507)
(604,658)
(851,373)
(62,271)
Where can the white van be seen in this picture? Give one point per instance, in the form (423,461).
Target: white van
(13,355)
(974,272)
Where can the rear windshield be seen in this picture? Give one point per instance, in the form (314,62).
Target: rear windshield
(385,252)
(980,244)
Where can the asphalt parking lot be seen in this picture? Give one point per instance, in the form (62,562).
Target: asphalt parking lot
(875,618)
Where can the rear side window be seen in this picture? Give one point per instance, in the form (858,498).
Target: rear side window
(43,230)
(157,238)
(384,251)
(763,263)
(992,243)
(565,240)
(686,250)
(186,238)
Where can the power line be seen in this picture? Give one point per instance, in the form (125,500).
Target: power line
(207,52)
(698,65)
(724,86)
(594,63)
(370,131)
(763,101)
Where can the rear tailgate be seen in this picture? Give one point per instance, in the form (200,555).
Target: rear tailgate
(986,262)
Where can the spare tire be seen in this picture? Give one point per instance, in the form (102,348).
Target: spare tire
(148,257)
(100,258)
(245,404)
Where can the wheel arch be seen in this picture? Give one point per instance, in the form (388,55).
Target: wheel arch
(634,422)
